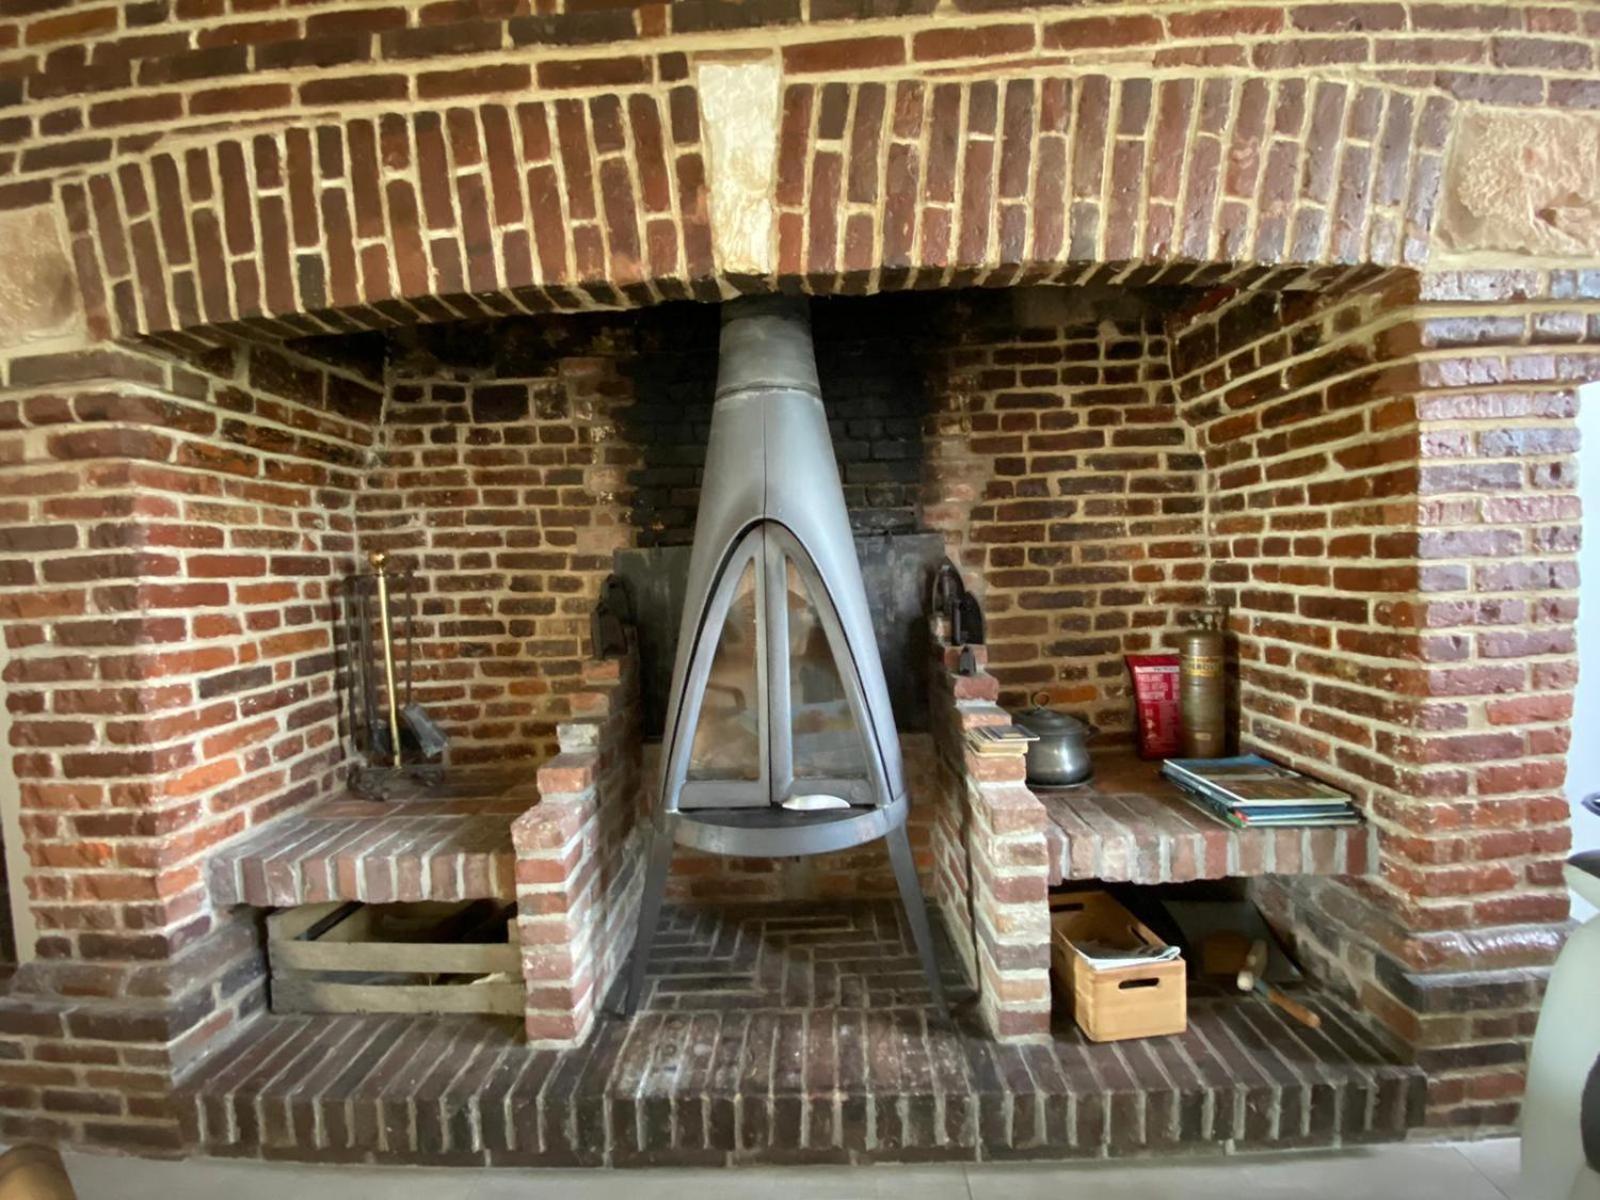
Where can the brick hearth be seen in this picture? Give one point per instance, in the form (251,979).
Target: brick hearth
(1138,311)
(784,1034)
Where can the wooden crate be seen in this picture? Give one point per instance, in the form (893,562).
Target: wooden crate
(1113,1003)
(401,958)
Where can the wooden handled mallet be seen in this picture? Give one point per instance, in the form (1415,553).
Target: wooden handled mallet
(1250,979)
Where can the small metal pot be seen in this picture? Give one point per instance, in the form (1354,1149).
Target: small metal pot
(1060,758)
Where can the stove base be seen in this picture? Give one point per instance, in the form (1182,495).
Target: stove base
(766,833)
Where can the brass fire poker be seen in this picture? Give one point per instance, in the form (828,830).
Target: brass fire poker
(377,559)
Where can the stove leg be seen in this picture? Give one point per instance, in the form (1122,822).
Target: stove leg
(655,886)
(905,874)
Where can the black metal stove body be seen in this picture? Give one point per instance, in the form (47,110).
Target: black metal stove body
(779,737)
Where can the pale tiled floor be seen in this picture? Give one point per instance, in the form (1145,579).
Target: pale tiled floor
(1477,1171)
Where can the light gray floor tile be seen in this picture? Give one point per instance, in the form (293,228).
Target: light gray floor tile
(102,1178)
(1421,1172)
(1500,1162)
(1412,1172)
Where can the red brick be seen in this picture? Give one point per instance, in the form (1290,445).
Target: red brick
(476,81)
(591,72)
(574,141)
(793,143)
(355,90)
(1348,17)
(245,98)
(983,41)
(1085,33)
(847,54)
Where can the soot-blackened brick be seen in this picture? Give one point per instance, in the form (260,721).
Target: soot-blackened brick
(499,403)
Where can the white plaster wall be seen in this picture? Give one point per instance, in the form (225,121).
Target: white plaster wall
(11,837)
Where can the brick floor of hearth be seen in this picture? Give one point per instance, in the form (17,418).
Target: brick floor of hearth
(796,1033)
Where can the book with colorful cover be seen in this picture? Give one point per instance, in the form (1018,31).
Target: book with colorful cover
(1000,739)
(1251,791)
(1271,819)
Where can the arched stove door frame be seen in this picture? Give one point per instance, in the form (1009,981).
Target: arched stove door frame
(770,547)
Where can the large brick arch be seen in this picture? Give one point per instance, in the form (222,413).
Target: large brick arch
(992,180)
(469,211)
(572,202)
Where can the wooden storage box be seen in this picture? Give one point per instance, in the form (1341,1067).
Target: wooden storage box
(1113,1003)
(400,958)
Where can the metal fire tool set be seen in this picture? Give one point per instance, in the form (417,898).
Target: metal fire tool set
(394,733)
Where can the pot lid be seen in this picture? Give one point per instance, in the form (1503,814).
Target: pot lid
(1042,720)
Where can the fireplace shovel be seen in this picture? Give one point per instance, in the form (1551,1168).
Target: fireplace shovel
(408,717)
(414,719)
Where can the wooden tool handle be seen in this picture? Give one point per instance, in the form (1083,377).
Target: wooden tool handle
(35,1172)
(1295,1009)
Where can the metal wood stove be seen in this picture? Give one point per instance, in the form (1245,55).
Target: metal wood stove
(779,738)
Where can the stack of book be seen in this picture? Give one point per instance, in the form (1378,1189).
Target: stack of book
(1251,792)
(990,740)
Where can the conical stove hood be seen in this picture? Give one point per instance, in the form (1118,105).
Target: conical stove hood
(778,688)
(778,697)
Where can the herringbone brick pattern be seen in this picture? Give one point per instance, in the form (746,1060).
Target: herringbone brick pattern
(777,956)
(788,1034)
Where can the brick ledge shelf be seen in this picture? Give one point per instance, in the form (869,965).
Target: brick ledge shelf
(1128,825)
(454,845)
(1000,846)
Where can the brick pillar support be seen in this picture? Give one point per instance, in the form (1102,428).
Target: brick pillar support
(991,859)
(578,854)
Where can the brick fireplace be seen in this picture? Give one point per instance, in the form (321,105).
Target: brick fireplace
(1136,310)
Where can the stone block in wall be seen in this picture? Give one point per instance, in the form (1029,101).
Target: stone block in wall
(39,297)
(1523,183)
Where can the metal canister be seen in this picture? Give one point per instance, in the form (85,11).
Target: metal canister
(1202,694)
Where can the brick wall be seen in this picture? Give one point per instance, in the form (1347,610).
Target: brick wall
(579,858)
(331,167)
(1044,446)
(515,459)
(1310,443)
(990,868)
(1069,491)
(497,487)
(172,530)
(386,215)
(942,172)
(1392,519)
(8,928)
